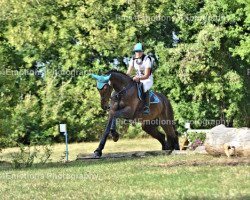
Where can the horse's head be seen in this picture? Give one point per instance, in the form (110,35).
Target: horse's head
(104,89)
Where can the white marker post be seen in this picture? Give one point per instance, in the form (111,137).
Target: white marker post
(187,125)
(63,129)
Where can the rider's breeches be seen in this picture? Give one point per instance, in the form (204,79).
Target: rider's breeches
(147,83)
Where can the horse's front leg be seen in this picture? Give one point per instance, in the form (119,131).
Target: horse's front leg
(98,151)
(111,126)
(123,113)
(114,134)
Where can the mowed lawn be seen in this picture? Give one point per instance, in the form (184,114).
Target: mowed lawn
(161,177)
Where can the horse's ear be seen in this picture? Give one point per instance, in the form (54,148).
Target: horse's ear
(106,78)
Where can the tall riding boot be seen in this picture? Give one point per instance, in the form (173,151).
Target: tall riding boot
(146,109)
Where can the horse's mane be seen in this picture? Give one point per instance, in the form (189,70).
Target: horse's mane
(117,71)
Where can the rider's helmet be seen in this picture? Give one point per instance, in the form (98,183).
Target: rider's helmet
(138,47)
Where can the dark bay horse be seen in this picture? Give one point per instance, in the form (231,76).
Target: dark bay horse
(126,104)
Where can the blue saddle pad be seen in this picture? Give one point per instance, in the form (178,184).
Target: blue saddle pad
(153,97)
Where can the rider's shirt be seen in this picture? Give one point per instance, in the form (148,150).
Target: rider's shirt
(140,66)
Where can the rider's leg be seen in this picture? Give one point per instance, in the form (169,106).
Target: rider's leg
(146,109)
(147,84)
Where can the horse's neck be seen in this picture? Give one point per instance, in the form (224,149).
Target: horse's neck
(119,81)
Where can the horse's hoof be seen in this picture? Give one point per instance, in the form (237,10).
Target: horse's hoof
(115,139)
(115,136)
(167,146)
(97,154)
(177,147)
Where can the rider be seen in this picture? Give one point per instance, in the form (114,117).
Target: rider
(143,67)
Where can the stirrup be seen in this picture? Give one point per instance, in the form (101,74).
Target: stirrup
(146,110)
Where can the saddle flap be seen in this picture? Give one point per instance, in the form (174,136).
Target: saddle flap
(153,97)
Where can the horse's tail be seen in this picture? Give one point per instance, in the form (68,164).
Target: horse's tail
(168,109)
(169,113)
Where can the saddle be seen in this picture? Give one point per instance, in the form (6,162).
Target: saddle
(153,97)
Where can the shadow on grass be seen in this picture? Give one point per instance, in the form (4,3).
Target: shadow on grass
(243,197)
(5,166)
(213,162)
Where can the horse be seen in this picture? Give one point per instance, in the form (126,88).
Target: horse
(126,104)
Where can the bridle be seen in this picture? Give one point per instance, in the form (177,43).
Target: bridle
(118,95)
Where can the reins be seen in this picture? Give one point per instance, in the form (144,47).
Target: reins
(119,94)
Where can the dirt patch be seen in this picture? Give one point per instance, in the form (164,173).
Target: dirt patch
(215,162)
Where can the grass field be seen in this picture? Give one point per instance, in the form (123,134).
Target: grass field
(161,177)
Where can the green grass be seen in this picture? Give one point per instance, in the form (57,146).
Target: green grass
(123,145)
(162,177)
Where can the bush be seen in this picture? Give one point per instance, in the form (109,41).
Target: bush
(5,142)
(196,139)
(133,131)
(27,155)
(193,136)
(26,120)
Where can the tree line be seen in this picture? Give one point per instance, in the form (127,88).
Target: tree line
(48,48)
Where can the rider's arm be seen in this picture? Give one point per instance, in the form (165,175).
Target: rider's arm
(146,74)
(147,70)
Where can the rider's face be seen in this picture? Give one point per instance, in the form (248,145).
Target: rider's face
(138,54)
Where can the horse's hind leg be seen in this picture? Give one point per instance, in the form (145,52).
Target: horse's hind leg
(155,133)
(172,137)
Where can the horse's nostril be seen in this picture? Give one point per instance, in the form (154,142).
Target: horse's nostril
(106,107)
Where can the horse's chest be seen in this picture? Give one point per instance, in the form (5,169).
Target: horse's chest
(117,105)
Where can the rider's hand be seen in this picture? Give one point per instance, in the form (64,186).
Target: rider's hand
(136,78)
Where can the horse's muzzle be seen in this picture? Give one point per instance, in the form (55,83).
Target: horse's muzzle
(106,107)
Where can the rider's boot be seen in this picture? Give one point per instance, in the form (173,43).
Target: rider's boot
(146,109)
